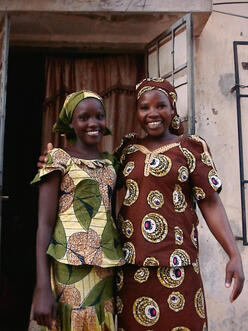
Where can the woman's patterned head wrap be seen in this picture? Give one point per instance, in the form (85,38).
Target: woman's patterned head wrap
(66,113)
(161,84)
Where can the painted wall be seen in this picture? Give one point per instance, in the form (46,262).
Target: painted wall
(107,5)
(217,123)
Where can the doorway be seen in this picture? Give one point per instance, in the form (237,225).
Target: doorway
(23,139)
(25,94)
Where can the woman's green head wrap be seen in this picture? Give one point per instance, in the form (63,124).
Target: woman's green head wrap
(65,116)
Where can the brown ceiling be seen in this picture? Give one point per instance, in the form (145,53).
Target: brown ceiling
(91,31)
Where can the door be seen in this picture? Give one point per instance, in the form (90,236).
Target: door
(4,49)
(170,55)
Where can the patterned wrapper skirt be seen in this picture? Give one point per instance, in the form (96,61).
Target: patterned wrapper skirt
(160,298)
(85,297)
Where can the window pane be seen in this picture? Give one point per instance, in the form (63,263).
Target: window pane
(180,49)
(180,82)
(152,62)
(165,56)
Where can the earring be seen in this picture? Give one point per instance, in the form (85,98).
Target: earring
(175,123)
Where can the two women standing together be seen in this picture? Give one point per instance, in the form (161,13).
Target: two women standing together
(159,285)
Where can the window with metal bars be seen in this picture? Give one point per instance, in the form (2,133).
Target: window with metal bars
(240,49)
(170,55)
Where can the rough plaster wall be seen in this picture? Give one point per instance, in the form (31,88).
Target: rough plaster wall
(217,123)
(107,5)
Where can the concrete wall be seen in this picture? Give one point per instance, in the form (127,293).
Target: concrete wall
(107,5)
(217,123)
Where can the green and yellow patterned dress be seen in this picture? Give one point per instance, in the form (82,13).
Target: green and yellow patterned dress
(85,245)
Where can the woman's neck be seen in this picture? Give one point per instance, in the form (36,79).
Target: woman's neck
(154,142)
(84,151)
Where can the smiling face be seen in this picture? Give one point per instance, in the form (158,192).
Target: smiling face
(154,113)
(89,121)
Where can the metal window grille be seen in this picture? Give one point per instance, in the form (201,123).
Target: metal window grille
(186,24)
(241,114)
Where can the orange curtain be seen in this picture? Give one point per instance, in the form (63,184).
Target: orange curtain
(113,77)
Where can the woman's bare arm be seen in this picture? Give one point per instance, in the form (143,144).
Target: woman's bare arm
(44,304)
(215,215)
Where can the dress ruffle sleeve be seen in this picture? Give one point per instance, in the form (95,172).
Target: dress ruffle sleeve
(58,160)
(203,174)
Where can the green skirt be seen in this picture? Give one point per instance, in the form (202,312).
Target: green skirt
(85,297)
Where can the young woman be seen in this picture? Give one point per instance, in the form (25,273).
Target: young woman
(160,287)
(77,241)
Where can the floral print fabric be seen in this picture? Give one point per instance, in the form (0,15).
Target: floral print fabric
(85,298)
(85,232)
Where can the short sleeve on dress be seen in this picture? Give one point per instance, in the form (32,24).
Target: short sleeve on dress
(58,160)
(203,174)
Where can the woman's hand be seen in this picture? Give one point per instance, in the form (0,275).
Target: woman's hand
(43,158)
(44,307)
(214,213)
(234,270)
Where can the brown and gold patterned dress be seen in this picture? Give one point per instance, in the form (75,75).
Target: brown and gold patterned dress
(85,245)
(160,287)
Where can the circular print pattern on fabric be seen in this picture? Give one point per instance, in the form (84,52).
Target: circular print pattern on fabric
(132,192)
(141,275)
(180,328)
(160,165)
(82,319)
(154,227)
(67,188)
(84,248)
(206,159)
(179,258)
(106,178)
(146,311)
(128,150)
(176,301)
(194,236)
(69,294)
(129,252)
(155,199)
(179,199)
(128,168)
(178,235)
(214,180)
(199,194)
(151,262)
(183,174)
(196,266)
(199,303)
(127,228)
(189,158)
(170,277)
(60,158)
